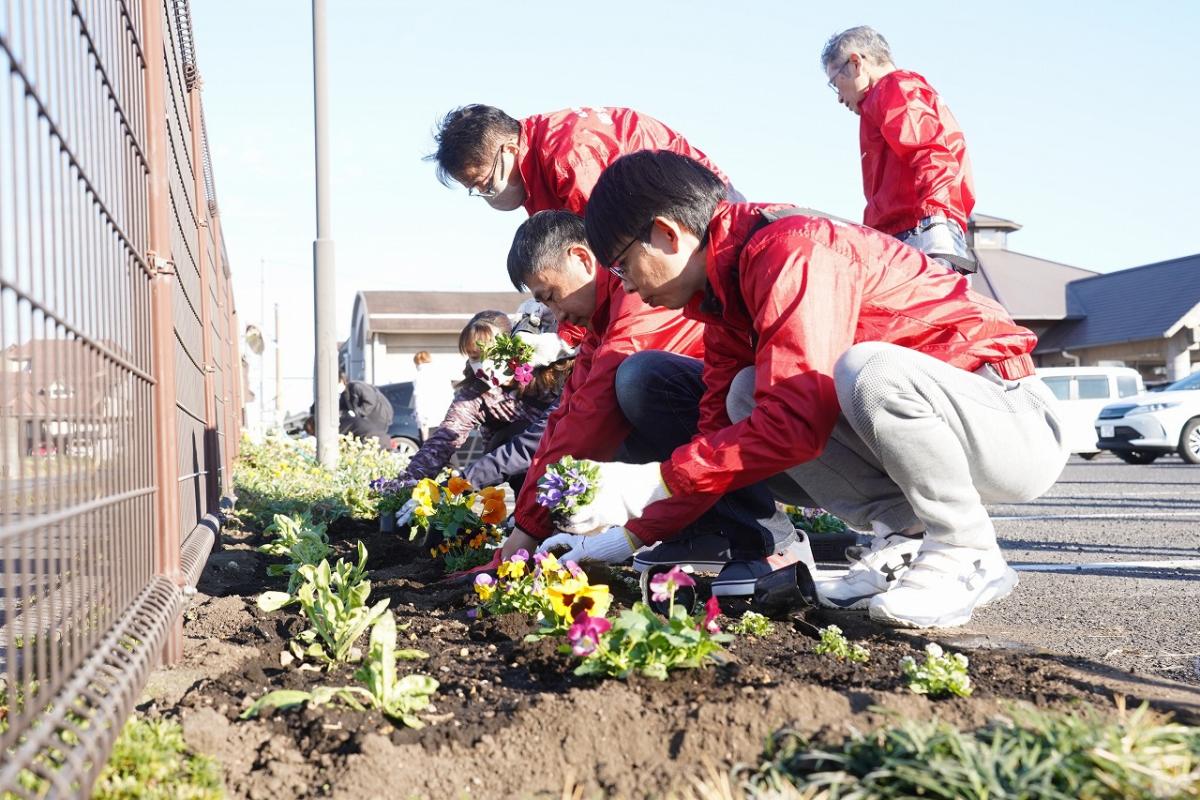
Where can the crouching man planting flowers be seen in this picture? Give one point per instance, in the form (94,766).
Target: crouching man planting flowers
(830,350)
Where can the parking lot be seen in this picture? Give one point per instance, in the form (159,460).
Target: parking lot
(1109,561)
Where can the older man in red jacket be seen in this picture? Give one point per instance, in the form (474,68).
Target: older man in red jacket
(635,393)
(545,161)
(819,332)
(916,173)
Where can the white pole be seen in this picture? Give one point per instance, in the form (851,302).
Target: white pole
(325,373)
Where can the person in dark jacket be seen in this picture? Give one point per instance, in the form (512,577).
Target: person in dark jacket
(363,412)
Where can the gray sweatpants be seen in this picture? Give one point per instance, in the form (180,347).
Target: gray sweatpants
(921,441)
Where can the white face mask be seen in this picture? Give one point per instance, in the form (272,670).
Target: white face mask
(509,198)
(486,372)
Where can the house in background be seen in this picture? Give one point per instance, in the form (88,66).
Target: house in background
(388,328)
(1031,289)
(1146,317)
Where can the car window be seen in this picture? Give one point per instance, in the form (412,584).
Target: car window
(399,395)
(1060,386)
(1190,382)
(1093,387)
(1127,385)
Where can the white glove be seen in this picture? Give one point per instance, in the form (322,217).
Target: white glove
(610,547)
(623,494)
(406,511)
(547,348)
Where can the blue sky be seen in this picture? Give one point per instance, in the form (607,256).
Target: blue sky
(1081,122)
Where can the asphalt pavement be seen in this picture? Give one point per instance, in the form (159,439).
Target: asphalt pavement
(1109,561)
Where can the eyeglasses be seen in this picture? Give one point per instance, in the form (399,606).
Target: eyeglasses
(615,266)
(490,189)
(836,74)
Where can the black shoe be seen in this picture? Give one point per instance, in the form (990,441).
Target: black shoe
(705,552)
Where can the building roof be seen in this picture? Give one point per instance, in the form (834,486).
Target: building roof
(428,312)
(978,221)
(1150,302)
(1029,288)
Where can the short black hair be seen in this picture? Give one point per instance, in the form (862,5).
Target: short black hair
(638,187)
(540,243)
(466,137)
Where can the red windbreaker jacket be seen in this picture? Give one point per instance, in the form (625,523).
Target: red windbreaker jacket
(588,422)
(790,299)
(561,155)
(914,156)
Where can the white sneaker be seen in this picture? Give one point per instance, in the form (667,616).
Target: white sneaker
(944,585)
(875,571)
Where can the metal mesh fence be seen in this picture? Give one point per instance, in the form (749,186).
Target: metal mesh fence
(120,379)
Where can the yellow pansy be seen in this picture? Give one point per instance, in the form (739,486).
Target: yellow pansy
(511,569)
(576,593)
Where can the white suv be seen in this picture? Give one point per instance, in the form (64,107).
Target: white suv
(1142,428)
(1081,393)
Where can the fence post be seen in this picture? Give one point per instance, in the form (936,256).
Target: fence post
(212,448)
(166,435)
(233,362)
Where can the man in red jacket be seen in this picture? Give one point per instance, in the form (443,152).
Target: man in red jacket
(819,332)
(545,161)
(916,173)
(634,392)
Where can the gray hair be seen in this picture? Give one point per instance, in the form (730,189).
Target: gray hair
(865,41)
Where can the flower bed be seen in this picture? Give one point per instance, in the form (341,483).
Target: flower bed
(338,660)
(511,718)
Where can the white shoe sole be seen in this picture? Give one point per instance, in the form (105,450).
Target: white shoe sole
(854,603)
(998,589)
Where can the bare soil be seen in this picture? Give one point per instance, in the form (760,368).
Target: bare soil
(511,720)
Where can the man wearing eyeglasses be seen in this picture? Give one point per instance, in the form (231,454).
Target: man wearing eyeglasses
(545,161)
(830,350)
(916,173)
(634,393)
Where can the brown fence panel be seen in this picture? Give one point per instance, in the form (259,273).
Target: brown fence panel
(119,373)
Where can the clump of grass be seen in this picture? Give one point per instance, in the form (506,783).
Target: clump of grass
(1031,754)
(150,761)
(941,675)
(752,624)
(834,643)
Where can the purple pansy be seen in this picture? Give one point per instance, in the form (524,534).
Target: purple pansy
(664,584)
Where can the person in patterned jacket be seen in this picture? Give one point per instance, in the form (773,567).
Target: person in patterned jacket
(502,411)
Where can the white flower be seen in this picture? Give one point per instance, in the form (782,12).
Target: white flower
(933,650)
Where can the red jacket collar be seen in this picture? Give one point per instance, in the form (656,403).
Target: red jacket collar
(529,163)
(730,228)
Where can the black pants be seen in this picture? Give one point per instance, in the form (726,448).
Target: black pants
(660,393)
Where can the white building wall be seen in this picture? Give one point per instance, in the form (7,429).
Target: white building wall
(394,355)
